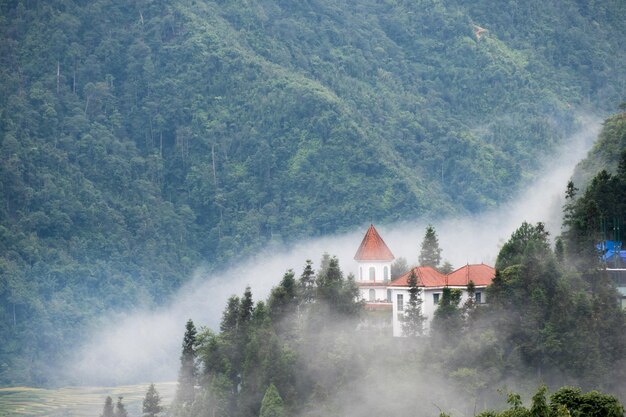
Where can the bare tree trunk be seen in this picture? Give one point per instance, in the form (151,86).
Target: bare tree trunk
(58,75)
(213,160)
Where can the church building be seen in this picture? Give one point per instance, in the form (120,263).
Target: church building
(388,298)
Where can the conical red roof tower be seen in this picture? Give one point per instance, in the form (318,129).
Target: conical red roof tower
(373,248)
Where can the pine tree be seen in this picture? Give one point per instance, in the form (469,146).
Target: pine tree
(447,321)
(187,374)
(307,283)
(120,410)
(413,320)
(272,405)
(151,403)
(469,306)
(430,254)
(398,267)
(337,293)
(446,268)
(245,308)
(231,315)
(108,408)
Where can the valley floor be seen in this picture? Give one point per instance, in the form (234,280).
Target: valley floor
(76,401)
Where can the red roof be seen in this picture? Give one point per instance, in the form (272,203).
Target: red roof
(481,275)
(373,248)
(426,277)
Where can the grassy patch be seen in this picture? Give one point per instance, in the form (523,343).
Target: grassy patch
(76,401)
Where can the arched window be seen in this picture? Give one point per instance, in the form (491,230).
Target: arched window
(386,273)
(372,295)
(372,273)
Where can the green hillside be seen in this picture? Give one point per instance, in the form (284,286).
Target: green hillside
(140,139)
(606,151)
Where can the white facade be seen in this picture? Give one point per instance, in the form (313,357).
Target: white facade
(430,299)
(372,278)
(371,293)
(374,271)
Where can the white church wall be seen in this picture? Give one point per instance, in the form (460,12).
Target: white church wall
(364,274)
(430,298)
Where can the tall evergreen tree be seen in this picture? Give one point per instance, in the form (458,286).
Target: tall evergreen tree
(469,306)
(187,374)
(430,254)
(152,403)
(307,283)
(447,321)
(283,298)
(272,405)
(338,294)
(108,410)
(120,410)
(398,267)
(413,320)
(230,317)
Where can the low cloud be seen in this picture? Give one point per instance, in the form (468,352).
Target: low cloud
(144,346)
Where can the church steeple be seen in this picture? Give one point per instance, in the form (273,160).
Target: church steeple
(373,248)
(374,258)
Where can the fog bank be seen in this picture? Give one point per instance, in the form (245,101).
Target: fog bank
(144,345)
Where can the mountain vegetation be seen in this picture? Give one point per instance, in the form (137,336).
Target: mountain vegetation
(141,139)
(552,318)
(606,150)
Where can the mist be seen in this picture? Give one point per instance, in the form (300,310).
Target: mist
(144,345)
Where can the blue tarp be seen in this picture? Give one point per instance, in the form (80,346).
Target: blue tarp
(612,251)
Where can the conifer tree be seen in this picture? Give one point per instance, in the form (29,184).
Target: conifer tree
(272,405)
(120,410)
(430,254)
(187,374)
(469,306)
(152,403)
(307,283)
(282,301)
(447,321)
(246,307)
(446,268)
(338,293)
(398,267)
(108,408)
(413,321)
(230,316)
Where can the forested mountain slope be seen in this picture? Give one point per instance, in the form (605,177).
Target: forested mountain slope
(138,139)
(606,151)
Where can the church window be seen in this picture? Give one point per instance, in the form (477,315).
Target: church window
(372,273)
(386,273)
(436,299)
(400,302)
(372,295)
(478,297)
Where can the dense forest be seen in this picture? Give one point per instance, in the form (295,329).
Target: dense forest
(141,139)
(552,319)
